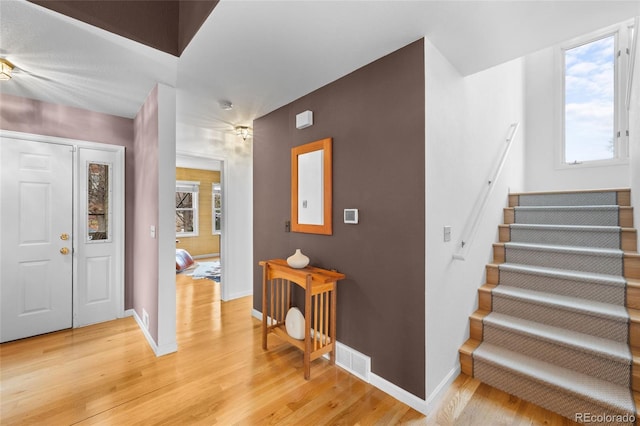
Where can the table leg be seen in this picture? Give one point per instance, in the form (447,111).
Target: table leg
(334,306)
(307,329)
(264,307)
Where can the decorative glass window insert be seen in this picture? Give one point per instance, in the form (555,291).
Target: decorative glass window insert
(187,208)
(216,196)
(590,101)
(98,213)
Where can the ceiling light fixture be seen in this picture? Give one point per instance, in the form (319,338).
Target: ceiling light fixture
(225,105)
(6,68)
(243,131)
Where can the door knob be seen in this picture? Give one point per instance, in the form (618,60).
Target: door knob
(64,237)
(64,250)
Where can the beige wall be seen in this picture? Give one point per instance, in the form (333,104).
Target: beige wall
(205,242)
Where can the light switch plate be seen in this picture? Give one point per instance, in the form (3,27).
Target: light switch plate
(447,234)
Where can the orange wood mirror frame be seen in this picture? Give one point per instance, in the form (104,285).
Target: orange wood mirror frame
(311,187)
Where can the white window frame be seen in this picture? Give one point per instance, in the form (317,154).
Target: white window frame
(216,188)
(194,188)
(621,114)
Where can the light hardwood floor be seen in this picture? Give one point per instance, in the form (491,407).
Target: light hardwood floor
(106,374)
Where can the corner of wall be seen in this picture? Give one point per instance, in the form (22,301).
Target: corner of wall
(634,137)
(466,123)
(166,224)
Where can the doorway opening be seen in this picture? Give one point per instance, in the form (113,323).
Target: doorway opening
(199,220)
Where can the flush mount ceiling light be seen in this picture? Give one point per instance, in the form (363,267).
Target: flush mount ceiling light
(6,68)
(243,131)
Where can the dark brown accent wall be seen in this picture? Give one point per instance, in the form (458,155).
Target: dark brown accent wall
(166,25)
(376,117)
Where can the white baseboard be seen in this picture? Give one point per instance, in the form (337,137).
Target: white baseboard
(434,398)
(239,295)
(256,314)
(400,394)
(359,365)
(157,350)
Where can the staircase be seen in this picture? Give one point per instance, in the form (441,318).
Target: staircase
(558,321)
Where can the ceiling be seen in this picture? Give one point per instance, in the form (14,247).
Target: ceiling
(261,55)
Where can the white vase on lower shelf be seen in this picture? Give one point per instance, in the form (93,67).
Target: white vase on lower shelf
(298,260)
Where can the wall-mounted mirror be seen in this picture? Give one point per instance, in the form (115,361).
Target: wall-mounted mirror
(311,187)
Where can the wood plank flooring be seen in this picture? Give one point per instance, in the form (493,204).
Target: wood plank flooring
(106,374)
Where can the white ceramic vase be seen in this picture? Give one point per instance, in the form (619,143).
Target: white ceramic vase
(298,260)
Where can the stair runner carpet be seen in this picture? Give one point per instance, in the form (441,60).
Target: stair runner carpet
(558,334)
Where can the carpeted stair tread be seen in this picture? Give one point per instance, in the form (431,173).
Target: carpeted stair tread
(587,307)
(606,348)
(586,285)
(568,198)
(601,392)
(559,304)
(550,227)
(603,288)
(604,279)
(585,251)
(587,259)
(568,215)
(566,235)
(568,208)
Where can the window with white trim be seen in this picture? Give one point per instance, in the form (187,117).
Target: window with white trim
(216,197)
(187,208)
(595,75)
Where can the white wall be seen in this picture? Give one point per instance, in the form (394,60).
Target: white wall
(166,219)
(237,186)
(466,125)
(634,139)
(544,131)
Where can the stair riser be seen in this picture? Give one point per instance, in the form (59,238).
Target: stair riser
(567,217)
(625,217)
(622,197)
(577,321)
(560,401)
(609,239)
(632,265)
(563,260)
(598,292)
(572,358)
(631,262)
(626,240)
(633,292)
(570,199)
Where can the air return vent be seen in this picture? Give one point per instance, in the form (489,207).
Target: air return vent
(353,361)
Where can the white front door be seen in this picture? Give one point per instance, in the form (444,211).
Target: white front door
(36,223)
(98,296)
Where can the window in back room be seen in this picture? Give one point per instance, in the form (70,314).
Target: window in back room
(187,208)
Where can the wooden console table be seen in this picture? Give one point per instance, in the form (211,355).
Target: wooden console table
(319,307)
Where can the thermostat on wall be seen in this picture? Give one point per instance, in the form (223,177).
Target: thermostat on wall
(350,215)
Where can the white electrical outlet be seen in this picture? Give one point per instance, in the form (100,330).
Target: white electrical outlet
(145,319)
